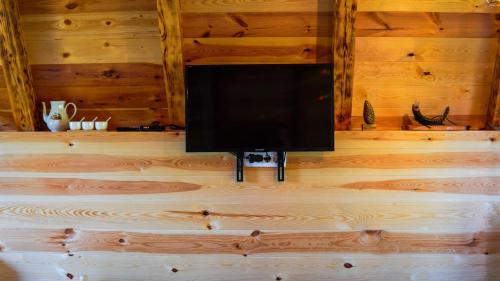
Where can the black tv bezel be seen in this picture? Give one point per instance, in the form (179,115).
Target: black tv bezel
(331,146)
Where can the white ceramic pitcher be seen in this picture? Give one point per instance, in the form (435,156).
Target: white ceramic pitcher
(57,120)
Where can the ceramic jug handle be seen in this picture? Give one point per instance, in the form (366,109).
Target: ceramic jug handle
(74,107)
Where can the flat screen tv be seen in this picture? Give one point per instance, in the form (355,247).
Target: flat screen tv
(250,108)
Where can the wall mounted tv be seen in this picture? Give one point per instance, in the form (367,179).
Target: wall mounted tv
(259,108)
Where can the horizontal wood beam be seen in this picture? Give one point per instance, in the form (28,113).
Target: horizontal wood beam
(367,241)
(173,65)
(16,68)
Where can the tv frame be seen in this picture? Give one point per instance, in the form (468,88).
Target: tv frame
(331,146)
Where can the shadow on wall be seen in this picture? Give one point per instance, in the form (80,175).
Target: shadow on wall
(7,273)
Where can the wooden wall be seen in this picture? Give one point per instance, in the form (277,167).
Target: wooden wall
(105,55)
(130,206)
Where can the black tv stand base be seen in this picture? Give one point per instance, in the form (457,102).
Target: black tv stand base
(281,159)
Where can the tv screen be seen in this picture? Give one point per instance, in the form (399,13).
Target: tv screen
(247,108)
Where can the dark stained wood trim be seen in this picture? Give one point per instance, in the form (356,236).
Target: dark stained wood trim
(366,241)
(493,114)
(16,68)
(343,60)
(173,65)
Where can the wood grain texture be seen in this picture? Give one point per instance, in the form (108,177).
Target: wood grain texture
(16,68)
(371,241)
(201,6)
(419,198)
(254,50)
(223,267)
(494,102)
(83,6)
(7,120)
(343,61)
(448,6)
(426,24)
(317,24)
(256,24)
(169,19)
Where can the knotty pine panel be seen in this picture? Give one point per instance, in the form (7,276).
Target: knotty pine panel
(84,6)
(257,50)
(448,6)
(316,24)
(224,267)
(431,196)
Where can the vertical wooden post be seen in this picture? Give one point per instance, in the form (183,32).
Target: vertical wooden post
(493,115)
(343,61)
(16,68)
(173,64)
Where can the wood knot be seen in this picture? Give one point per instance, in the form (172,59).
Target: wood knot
(492,139)
(411,54)
(427,73)
(69,231)
(71,5)
(206,34)
(108,22)
(370,237)
(205,213)
(67,22)
(122,241)
(69,275)
(255,233)
(71,144)
(66,55)
(209,226)
(278,278)
(110,73)
(347,265)
(106,44)
(174,270)
(237,246)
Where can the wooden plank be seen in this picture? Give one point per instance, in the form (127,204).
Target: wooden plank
(16,68)
(421,24)
(343,61)
(201,6)
(296,267)
(107,96)
(387,123)
(256,50)
(148,214)
(493,113)
(98,25)
(368,241)
(256,24)
(414,74)
(417,49)
(82,50)
(103,75)
(81,6)
(447,6)
(397,100)
(317,24)
(169,19)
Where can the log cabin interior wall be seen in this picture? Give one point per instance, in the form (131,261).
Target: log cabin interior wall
(106,55)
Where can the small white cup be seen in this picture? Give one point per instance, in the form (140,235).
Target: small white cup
(75,125)
(101,125)
(88,125)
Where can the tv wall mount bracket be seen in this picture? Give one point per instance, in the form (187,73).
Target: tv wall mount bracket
(260,159)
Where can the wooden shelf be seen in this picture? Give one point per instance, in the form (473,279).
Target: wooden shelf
(392,123)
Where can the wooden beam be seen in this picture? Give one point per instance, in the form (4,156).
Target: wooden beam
(16,68)
(343,60)
(494,107)
(173,65)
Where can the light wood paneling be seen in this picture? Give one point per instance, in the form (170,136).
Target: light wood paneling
(401,200)
(97,266)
